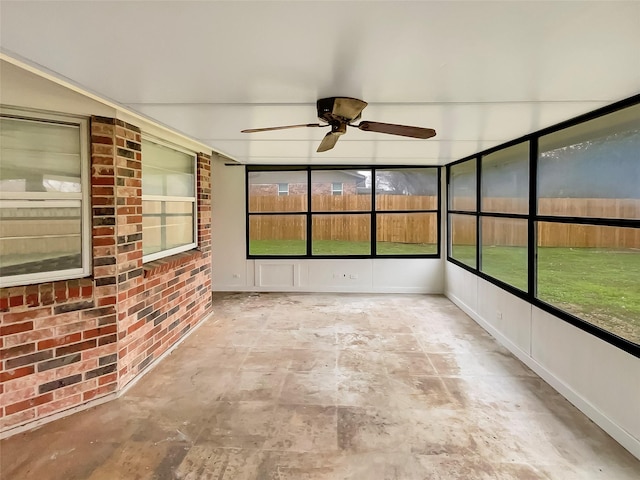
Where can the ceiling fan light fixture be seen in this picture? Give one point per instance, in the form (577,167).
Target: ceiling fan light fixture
(340,112)
(340,109)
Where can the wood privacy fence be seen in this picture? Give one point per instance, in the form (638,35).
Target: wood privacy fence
(338,203)
(400,228)
(391,227)
(568,207)
(512,232)
(422,227)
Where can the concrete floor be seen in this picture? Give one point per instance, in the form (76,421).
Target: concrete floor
(321,386)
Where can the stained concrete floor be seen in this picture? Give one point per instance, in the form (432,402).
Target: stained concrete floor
(321,386)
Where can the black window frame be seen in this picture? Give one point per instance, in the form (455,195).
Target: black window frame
(532,217)
(372,212)
(482,213)
(469,213)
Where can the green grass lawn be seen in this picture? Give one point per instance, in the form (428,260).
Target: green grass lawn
(599,285)
(278,247)
(602,286)
(508,264)
(337,247)
(392,248)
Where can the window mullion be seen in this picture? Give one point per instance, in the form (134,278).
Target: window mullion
(532,252)
(309,214)
(374,220)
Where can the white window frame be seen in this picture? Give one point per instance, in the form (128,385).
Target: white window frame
(337,191)
(163,198)
(55,199)
(283,191)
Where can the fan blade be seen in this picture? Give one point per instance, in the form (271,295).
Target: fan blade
(328,142)
(268,129)
(392,129)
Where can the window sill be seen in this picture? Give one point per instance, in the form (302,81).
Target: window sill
(164,265)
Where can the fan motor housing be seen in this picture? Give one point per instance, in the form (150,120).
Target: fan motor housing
(340,109)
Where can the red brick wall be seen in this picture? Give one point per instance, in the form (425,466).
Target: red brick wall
(173,295)
(65,343)
(272,189)
(263,189)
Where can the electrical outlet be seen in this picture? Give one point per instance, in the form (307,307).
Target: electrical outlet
(498,315)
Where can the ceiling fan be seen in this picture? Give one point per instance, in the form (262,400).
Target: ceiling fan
(340,112)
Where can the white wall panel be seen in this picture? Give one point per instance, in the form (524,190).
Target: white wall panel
(461,286)
(508,314)
(600,379)
(277,274)
(419,275)
(230,266)
(340,275)
(605,379)
(232,271)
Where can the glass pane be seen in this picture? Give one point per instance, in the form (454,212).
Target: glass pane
(277,235)
(283,189)
(406,233)
(26,247)
(462,186)
(463,238)
(341,235)
(407,189)
(505,180)
(166,171)
(326,196)
(592,169)
(166,225)
(266,191)
(592,272)
(504,250)
(39,156)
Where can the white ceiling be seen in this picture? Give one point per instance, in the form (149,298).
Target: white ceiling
(480,73)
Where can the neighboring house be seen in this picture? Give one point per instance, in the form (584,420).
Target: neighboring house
(331,182)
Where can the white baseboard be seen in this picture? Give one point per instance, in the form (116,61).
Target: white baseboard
(329,289)
(623,437)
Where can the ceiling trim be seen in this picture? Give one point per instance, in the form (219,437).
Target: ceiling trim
(122,112)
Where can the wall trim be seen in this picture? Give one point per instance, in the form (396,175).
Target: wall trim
(618,433)
(326,289)
(123,112)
